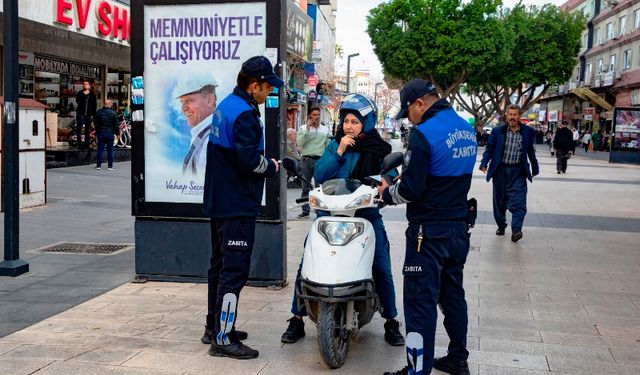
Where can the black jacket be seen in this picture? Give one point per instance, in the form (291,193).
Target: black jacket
(106,120)
(563,140)
(87,104)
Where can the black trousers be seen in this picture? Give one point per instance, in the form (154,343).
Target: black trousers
(561,160)
(232,242)
(82,120)
(432,276)
(307,168)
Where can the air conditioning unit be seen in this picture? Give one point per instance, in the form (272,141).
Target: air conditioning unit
(613,3)
(605,68)
(615,36)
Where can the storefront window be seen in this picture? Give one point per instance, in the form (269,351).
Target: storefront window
(118,84)
(58,81)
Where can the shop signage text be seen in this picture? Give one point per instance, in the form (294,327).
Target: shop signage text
(64,67)
(111,19)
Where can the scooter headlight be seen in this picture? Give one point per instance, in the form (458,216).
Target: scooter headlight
(361,201)
(340,233)
(315,202)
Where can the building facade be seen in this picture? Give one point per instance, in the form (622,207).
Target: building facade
(63,42)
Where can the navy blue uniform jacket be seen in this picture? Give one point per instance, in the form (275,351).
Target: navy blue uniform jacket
(439,163)
(495,149)
(236,166)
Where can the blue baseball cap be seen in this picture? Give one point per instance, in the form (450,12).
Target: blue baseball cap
(412,91)
(260,67)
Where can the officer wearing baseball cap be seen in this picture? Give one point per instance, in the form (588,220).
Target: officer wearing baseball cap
(234,180)
(435,180)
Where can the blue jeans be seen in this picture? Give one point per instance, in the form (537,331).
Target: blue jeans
(382,276)
(105,139)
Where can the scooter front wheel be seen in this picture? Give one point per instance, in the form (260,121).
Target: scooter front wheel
(333,338)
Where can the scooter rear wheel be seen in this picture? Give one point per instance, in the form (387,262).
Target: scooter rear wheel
(333,338)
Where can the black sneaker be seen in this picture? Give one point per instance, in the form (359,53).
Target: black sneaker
(207,337)
(559,172)
(392,333)
(303,215)
(516,236)
(500,232)
(404,371)
(237,350)
(451,366)
(294,332)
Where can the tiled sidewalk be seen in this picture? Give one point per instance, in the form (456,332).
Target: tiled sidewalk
(564,300)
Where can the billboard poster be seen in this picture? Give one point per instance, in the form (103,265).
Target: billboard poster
(192,55)
(627,129)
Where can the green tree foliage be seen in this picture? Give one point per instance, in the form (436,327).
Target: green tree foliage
(546,43)
(444,41)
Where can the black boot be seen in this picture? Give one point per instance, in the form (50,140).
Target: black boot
(451,366)
(404,371)
(392,333)
(207,337)
(294,332)
(237,350)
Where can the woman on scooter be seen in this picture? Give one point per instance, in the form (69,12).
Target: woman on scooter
(357,152)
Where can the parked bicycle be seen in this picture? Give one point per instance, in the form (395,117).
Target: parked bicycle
(124,140)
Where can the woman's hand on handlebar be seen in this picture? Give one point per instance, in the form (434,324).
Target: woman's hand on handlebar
(383,185)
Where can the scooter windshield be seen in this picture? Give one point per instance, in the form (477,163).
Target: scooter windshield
(340,186)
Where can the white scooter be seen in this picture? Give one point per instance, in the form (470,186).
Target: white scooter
(337,285)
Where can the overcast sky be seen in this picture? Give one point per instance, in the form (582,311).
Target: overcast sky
(351,34)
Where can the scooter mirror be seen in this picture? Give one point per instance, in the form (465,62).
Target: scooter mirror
(392,161)
(291,165)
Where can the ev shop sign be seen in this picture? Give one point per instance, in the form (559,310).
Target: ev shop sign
(104,19)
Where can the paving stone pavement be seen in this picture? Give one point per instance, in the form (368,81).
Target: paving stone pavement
(563,300)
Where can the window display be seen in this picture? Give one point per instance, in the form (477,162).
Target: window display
(627,128)
(118,84)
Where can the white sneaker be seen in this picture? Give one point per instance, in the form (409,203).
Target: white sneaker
(98,168)
(110,169)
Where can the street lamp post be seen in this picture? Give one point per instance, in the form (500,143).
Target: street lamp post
(12,264)
(349,70)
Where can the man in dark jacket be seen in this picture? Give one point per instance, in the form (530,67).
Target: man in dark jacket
(234,180)
(564,145)
(506,155)
(106,128)
(87,104)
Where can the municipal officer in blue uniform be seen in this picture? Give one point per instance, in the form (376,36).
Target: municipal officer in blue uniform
(234,180)
(435,180)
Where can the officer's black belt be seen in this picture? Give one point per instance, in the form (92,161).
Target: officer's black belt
(311,157)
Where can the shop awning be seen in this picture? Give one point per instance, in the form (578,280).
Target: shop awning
(587,94)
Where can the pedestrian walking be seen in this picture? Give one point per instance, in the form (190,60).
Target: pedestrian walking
(564,146)
(106,129)
(86,106)
(576,138)
(312,140)
(511,160)
(597,140)
(357,153)
(435,181)
(234,181)
(586,140)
